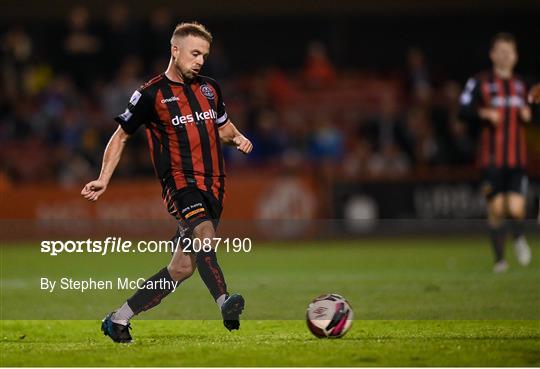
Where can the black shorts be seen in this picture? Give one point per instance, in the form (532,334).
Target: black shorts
(504,180)
(191,206)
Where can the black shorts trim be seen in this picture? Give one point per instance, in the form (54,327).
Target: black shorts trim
(504,180)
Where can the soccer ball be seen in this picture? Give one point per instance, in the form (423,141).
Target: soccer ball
(329,316)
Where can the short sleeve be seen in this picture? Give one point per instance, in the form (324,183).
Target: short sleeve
(137,113)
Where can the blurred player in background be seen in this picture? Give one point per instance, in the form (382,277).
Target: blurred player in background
(497,99)
(185,122)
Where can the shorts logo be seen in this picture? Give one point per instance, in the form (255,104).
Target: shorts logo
(192,213)
(207,91)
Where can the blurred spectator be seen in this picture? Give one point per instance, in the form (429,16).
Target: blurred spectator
(17,48)
(71,130)
(157,38)
(326,141)
(420,140)
(18,124)
(318,70)
(33,166)
(457,140)
(385,128)
(117,92)
(268,137)
(257,101)
(278,85)
(418,74)
(74,171)
(296,150)
(356,161)
(389,161)
(122,37)
(81,48)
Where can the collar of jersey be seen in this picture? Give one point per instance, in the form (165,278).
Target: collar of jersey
(178,83)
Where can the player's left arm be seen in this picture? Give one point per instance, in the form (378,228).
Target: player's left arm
(230,135)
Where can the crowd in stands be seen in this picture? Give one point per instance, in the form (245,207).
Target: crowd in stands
(56,110)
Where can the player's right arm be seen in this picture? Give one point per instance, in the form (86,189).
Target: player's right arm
(470,109)
(113,152)
(137,113)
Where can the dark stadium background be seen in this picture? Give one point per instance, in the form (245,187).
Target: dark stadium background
(351,104)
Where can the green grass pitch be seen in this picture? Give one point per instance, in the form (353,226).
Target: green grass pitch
(417,302)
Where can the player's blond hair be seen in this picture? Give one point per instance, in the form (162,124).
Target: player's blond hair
(192,29)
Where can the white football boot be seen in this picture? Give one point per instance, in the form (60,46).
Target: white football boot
(523,251)
(500,267)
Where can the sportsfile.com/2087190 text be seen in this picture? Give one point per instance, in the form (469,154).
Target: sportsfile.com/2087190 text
(119,245)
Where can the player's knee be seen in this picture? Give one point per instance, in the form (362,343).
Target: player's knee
(181,272)
(516,212)
(204,230)
(516,207)
(496,206)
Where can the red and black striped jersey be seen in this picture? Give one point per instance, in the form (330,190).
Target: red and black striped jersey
(181,122)
(501,145)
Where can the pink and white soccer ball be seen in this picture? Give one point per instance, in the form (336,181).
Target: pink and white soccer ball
(329,316)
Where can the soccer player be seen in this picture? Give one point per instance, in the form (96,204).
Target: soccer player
(498,100)
(185,121)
